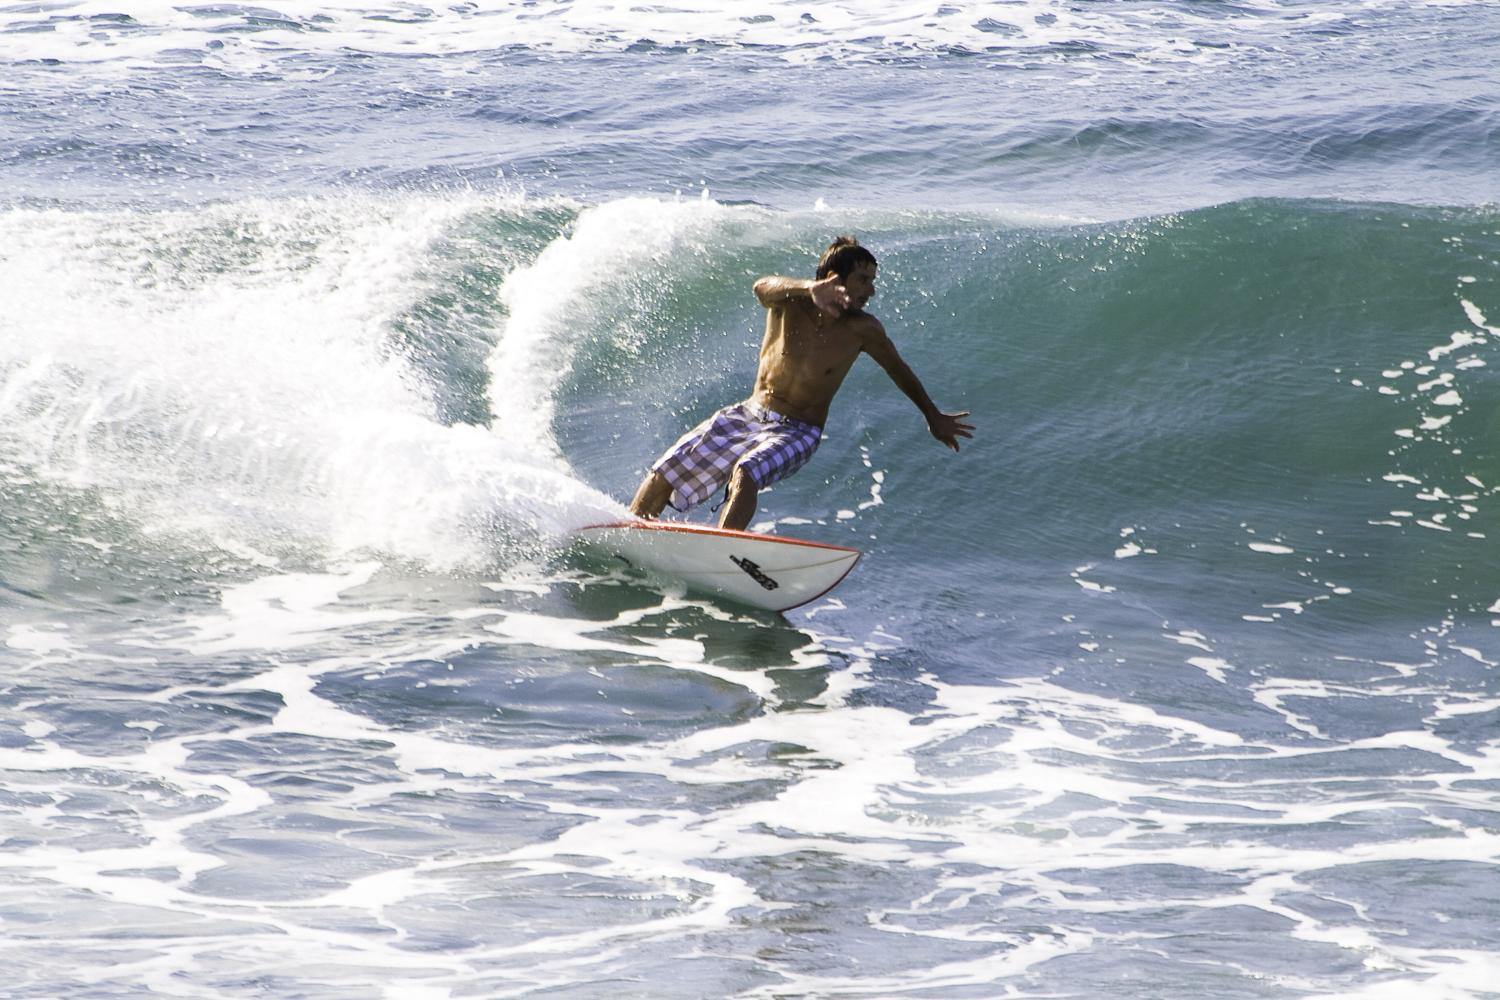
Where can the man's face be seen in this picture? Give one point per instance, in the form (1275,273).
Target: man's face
(860,285)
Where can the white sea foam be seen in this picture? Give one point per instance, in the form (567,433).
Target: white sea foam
(1212,665)
(966,808)
(233,372)
(1477,317)
(1445,430)
(242,39)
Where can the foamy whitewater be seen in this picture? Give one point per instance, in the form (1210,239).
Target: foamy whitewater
(322,326)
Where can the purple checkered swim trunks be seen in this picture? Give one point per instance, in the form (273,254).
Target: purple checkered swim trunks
(766,444)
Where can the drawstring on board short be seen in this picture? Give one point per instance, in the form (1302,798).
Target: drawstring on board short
(722,500)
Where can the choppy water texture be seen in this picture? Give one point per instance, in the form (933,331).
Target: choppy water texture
(321,327)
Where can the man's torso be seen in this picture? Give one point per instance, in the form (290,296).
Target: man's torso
(804,357)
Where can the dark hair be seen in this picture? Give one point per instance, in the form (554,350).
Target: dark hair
(843,255)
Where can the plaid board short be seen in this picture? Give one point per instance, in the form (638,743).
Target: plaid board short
(767,445)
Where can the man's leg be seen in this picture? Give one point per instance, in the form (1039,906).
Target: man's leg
(740,507)
(652,496)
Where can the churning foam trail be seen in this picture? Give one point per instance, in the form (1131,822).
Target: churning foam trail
(232,372)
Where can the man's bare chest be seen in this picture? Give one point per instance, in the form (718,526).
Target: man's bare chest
(816,350)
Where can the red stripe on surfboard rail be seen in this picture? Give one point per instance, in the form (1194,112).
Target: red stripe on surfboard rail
(802,604)
(694,529)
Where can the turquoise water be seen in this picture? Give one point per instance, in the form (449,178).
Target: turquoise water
(323,327)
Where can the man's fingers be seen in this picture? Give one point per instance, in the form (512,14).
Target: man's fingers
(830,298)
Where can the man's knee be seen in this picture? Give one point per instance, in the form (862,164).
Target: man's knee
(652,496)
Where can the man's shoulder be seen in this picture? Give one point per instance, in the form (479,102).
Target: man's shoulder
(866,326)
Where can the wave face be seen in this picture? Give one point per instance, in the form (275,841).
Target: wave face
(369,372)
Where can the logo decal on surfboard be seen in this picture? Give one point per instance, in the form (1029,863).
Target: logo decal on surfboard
(755,572)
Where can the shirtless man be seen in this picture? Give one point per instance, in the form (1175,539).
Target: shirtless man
(815,330)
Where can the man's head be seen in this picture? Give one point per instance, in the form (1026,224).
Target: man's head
(843,255)
(855,268)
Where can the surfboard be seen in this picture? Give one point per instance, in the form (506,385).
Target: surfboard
(763,571)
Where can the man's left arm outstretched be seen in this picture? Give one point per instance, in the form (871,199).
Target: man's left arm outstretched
(946,427)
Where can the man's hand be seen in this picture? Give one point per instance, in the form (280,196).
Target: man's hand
(949,427)
(829,296)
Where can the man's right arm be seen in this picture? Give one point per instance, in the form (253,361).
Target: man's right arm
(827,295)
(775,290)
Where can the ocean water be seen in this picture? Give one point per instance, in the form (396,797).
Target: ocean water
(322,325)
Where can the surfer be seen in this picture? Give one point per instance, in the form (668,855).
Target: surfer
(815,330)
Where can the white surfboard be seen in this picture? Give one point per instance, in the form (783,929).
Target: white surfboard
(763,571)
